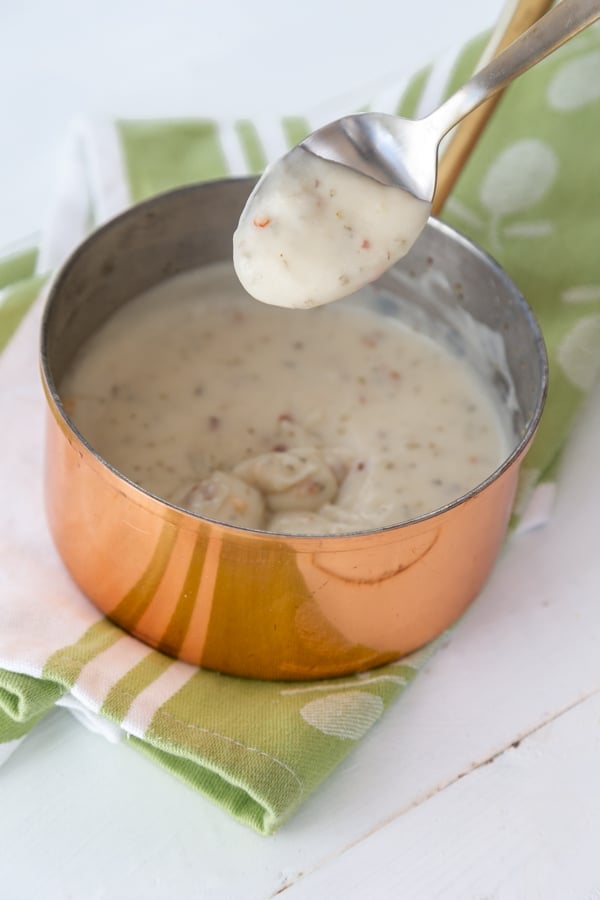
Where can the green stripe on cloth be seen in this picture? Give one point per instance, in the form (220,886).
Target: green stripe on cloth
(461,71)
(295,129)
(466,62)
(253,149)
(11,730)
(24,700)
(17,266)
(123,693)
(164,155)
(14,303)
(65,665)
(409,102)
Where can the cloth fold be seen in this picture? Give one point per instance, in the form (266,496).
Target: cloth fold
(529,195)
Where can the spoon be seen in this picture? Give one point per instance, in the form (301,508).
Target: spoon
(351,199)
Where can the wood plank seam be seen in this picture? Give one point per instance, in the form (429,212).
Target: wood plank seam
(299,876)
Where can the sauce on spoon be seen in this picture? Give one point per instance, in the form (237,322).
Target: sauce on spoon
(313,231)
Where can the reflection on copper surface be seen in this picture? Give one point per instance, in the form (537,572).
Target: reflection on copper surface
(265,605)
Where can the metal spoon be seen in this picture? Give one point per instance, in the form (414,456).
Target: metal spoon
(351,199)
(403,152)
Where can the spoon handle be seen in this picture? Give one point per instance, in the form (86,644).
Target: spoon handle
(516,17)
(555,28)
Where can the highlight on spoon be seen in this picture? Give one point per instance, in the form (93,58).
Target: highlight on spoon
(314,231)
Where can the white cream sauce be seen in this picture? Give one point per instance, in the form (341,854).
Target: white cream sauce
(341,421)
(313,231)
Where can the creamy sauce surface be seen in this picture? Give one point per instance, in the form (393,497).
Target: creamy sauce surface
(313,231)
(336,422)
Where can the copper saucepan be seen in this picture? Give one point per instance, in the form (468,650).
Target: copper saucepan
(247,602)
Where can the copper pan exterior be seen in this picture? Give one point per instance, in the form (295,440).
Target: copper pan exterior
(250,603)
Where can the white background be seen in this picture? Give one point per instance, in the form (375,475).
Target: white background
(416,811)
(61,58)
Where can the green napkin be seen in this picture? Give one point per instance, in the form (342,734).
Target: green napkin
(530,194)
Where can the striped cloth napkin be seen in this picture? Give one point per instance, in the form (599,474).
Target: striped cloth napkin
(529,194)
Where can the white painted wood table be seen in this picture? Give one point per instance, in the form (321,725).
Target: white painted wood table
(483,781)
